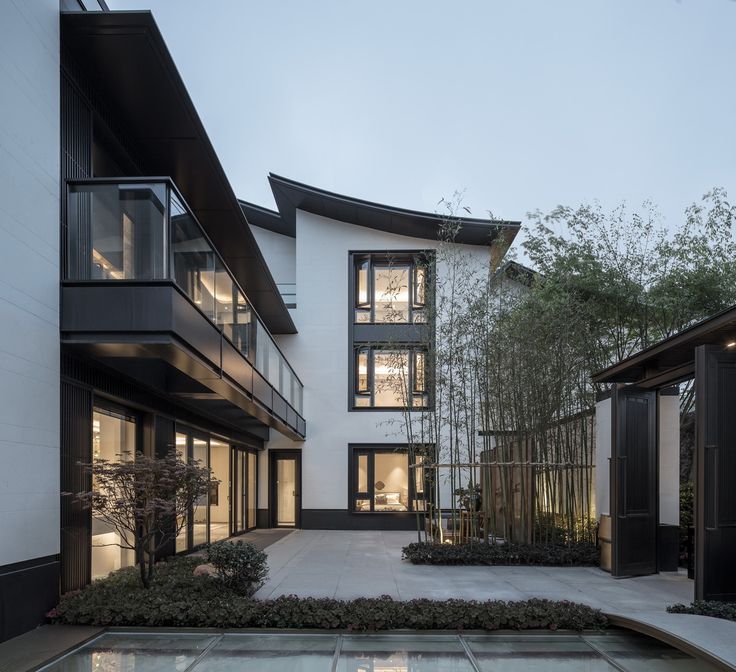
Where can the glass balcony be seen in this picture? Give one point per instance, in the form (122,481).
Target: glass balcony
(142,229)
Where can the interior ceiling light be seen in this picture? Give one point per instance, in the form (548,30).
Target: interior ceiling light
(731,344)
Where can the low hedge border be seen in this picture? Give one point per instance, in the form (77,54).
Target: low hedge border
(179,599)
(576,554)
(725,610)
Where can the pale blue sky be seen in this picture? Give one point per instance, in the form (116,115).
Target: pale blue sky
(525,104)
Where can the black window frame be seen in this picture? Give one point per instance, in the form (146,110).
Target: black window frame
(413,351)
(416,260)
(371,450)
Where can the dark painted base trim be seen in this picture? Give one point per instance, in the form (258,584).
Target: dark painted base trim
(342,519)
(28,590)
(262,519)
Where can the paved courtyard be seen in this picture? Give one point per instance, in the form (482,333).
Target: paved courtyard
(347,564)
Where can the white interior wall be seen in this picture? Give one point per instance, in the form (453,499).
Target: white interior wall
(603,439)
(320,354)
(29,280)
(669,459)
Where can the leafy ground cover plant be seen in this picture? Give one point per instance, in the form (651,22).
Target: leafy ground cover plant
(725,610)
(574,554)
(240,565)
(177,598)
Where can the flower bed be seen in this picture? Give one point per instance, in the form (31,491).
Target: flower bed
(177,598)
(574,554)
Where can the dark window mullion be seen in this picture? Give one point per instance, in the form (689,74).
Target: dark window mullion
(371,376)
(372,479)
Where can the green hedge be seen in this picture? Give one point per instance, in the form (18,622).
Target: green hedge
(574,554)
(178,599)
(726,610)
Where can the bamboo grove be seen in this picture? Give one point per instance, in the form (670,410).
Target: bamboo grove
(512,352)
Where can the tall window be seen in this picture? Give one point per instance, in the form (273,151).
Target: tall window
(114,440)
(390,378)
(390,288)
(382,482)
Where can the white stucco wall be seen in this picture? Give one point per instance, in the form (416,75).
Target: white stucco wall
(602,453)
(320,353)
(669,459)
(29,280)
(279,252)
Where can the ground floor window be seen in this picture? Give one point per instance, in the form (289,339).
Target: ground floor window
(382,481)
(114,440)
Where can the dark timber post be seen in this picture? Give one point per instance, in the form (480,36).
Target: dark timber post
(634,474)
(715,520)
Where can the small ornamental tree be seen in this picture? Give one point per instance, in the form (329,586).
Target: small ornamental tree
(146,501)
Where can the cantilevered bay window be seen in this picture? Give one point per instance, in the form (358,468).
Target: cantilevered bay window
(390,378)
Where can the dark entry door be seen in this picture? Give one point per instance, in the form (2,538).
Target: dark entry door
(634,483)
(715,531)
(285,489)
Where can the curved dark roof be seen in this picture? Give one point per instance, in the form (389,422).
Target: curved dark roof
(266,219)
(292,196)
(126,59)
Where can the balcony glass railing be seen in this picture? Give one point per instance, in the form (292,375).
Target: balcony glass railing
(142,229)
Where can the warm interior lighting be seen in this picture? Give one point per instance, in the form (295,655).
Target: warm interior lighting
(732,344)
(107,265)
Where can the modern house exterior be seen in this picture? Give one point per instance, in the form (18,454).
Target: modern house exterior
(145,308)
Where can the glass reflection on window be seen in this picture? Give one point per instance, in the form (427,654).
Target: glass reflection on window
(391,376)
(391,288)
(192,259)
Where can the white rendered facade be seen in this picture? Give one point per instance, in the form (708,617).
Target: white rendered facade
(29,281)
(321,352)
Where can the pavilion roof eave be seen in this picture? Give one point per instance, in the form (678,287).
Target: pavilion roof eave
(672,360)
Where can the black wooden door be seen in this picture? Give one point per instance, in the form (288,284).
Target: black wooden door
(715,528)
(634,483)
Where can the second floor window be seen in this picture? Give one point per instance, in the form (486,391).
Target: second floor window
(391,288)
(390,378)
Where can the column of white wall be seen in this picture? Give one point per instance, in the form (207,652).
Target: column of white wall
(669,459)
(602,454)
(29,280)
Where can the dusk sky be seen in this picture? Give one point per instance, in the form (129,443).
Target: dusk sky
(524,104)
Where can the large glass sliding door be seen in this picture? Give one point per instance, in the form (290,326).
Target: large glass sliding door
(200,514)
(195,531)
(182,539)
(230,505)
(245,491)
(252,488)
(220,492)
(114,440)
